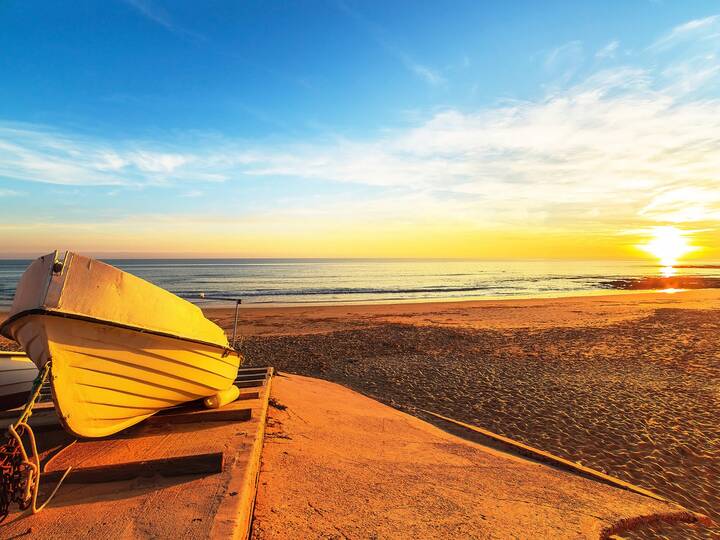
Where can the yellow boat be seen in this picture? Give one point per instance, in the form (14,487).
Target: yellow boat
(122,349)
(17,374)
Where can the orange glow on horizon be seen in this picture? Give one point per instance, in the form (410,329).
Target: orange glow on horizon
(191,236)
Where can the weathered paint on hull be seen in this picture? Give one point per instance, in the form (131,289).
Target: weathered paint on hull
(106,378)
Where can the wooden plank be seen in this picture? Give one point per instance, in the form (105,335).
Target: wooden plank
(251,377)
(211,463)
(48,420)
(245,376)
(42,422)
(225,414)
(250,369)
(234,515)
(15,413)
(249,395)
(250,384)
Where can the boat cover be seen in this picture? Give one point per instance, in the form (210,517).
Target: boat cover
(90,288)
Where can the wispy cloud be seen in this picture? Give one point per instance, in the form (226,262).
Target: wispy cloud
(690,53)
(40,154)
(563,62)
(379,35)
(609,50)
(429,75)
(617,149)
(686,204)
(703,29)
(193,193)
(152,12)
(568,53)
(159,15)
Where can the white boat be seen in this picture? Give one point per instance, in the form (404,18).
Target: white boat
(121,348)
(17,373)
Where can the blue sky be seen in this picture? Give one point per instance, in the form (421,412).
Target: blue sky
(280,128)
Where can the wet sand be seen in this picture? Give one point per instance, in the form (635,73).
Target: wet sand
(627,384)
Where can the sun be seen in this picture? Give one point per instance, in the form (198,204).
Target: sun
(668,244)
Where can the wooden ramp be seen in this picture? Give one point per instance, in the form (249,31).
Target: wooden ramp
(187,472)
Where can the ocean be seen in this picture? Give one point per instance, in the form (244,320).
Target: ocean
(326,281)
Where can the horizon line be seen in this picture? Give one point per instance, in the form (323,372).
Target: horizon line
(129,256)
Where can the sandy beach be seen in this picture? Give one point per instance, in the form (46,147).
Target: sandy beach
(628,384)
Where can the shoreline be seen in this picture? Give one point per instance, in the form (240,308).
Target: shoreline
(576,311)
(221,304)
(210,304)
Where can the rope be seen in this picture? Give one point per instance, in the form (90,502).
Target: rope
(20,470)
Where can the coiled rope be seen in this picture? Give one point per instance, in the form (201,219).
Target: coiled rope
(20,481)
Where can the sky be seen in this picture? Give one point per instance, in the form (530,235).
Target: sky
(343,128)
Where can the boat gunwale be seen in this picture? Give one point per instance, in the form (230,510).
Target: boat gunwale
(4,327)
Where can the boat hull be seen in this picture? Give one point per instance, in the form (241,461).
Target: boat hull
(17,373)
(106,378)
